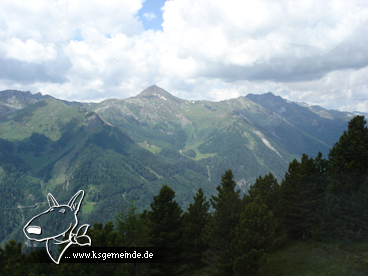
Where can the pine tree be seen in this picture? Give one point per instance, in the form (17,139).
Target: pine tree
(103,236)
(319,175)
(12,260)
(219,232)
(133,232)
(347,198)
(302,196)
(290,204)
(267,188)
(165,224)
(254,237)
(194,221)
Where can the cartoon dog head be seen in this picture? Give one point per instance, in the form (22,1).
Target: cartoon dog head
(55,222)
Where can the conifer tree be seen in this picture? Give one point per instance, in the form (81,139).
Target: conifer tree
(103,236)
(290,204)
(267,188)
(12,260)
(347,198)
(165,224)
(194,221)
(254,237)
(319,187)
(133,232)
(220,230)
(302,196)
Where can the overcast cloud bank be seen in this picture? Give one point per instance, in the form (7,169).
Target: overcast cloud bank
(308,51)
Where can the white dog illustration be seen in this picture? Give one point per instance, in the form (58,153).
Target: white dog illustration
(43,227)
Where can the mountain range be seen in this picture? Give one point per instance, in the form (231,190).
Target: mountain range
(125,149)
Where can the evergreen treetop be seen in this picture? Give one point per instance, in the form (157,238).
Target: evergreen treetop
(254,237)
(220,230)
(347,192)
(165,227)
(194,221)
(267,188)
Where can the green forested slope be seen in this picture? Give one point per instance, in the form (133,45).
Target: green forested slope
(75,149)
(119,150)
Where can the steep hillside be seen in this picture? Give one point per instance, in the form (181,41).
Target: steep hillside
(13,100)
(237,133)
(324,125)
(122,150)
(49,146)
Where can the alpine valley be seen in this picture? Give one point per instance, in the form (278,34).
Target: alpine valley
(123,150)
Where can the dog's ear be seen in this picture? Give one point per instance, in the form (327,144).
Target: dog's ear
(52,201)
(76,201)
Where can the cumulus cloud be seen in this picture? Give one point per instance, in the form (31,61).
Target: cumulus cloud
(312,51)
(28,51)
(149,15)
(28,73)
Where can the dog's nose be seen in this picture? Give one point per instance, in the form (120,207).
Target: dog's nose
(34,230)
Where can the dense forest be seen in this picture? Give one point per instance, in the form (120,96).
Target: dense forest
(318,198)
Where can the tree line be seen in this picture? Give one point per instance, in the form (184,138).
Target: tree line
(317,198)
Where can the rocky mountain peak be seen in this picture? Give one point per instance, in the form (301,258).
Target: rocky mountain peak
(7,94)
(154,92)
(13,100)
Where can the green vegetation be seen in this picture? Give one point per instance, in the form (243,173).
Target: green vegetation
(302,196)
(194,222)
(87,208)
(254,237)
(165,230)
(50,117)
(329,257)
(295,226)
(219,232)
(347,191)
(311,257)
(191,153)
(151,148)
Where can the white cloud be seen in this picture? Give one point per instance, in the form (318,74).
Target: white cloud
(28,51)
(306,51)
(57,21)
(149,15)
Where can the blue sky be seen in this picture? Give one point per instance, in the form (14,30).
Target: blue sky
(90,50)
(151,14)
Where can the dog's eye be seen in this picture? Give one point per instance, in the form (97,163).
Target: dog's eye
(62,211)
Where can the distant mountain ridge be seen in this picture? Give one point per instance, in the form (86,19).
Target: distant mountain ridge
(186,125)
(13,100)
(123,149)
(155,119)
(314,120)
